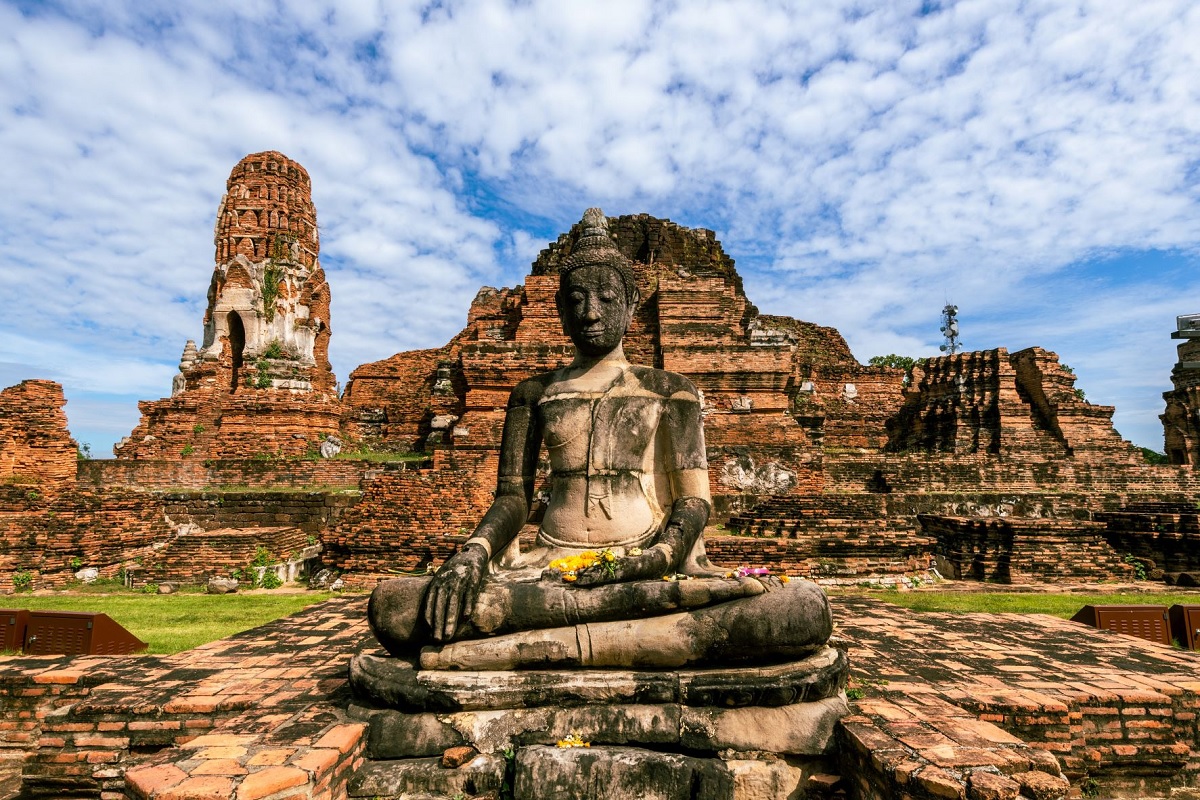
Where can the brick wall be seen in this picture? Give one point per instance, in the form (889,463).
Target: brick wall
(51,538)
(1019,550)
(214,473)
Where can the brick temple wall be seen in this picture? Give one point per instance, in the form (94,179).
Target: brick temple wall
(406,519)
(196,556)
(223,474)
(262,423)
(1181,428)
(387,403)
(52,538)
(1016,550)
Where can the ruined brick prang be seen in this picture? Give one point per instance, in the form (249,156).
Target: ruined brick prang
(261,382)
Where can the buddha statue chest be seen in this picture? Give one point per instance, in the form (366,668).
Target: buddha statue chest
(608,488)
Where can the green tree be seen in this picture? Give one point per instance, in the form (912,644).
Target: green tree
(1153,456)
(892,360)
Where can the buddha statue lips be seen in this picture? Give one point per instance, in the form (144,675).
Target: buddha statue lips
(629,477)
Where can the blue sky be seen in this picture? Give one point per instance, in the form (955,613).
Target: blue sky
(1038,164)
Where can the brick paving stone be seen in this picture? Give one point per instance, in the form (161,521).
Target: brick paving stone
(270,780)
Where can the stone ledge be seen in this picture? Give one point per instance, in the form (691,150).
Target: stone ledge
(395,683)
(798,729)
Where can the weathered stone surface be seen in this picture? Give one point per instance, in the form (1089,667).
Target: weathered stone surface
(87,575)
(1042,786)
(757,779)
(983,785)
(393,734)
(618,773)
(423,777)
(785,623)
(322,579)
(168,587)
(221,586)
(801,728)
(395,683)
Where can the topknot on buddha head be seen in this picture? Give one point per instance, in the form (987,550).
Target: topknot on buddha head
(596,248)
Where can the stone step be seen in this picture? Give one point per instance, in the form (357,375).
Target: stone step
(628,773)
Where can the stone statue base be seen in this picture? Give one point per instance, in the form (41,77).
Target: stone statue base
(721,728)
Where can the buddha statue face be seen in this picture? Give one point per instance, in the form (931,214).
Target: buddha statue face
(595,308)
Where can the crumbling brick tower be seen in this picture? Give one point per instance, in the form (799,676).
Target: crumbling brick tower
(1181,426)
(261,382)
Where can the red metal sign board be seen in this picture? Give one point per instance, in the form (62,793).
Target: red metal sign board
(1144,622)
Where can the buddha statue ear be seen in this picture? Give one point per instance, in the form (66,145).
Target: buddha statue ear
(558,306)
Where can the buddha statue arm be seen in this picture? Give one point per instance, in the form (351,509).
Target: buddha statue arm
(455,588)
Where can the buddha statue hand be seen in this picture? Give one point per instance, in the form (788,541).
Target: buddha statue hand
(454,590)
(648,565)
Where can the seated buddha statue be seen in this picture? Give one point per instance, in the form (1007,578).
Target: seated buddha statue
(628,503)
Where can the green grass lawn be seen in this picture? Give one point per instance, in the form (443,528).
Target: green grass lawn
(174,622)
(1058,605)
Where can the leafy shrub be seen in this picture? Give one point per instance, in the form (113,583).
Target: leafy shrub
(1139,569)
(187,450)
(22,580)
(270,580)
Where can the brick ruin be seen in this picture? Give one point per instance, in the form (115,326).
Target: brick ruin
(35,447)
(261,382)
(1181,420)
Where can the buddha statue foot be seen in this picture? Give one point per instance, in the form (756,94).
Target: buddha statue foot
(397,683)
(788,622)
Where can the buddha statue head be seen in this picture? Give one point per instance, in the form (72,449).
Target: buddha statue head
(597,292)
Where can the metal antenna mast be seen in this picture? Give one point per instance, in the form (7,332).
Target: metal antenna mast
(949,329)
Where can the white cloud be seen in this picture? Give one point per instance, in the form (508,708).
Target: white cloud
(863,162)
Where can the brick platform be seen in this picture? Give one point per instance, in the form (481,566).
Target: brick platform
(1113,709)
(956,705)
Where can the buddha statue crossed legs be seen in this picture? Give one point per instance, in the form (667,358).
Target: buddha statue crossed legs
(629,491)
